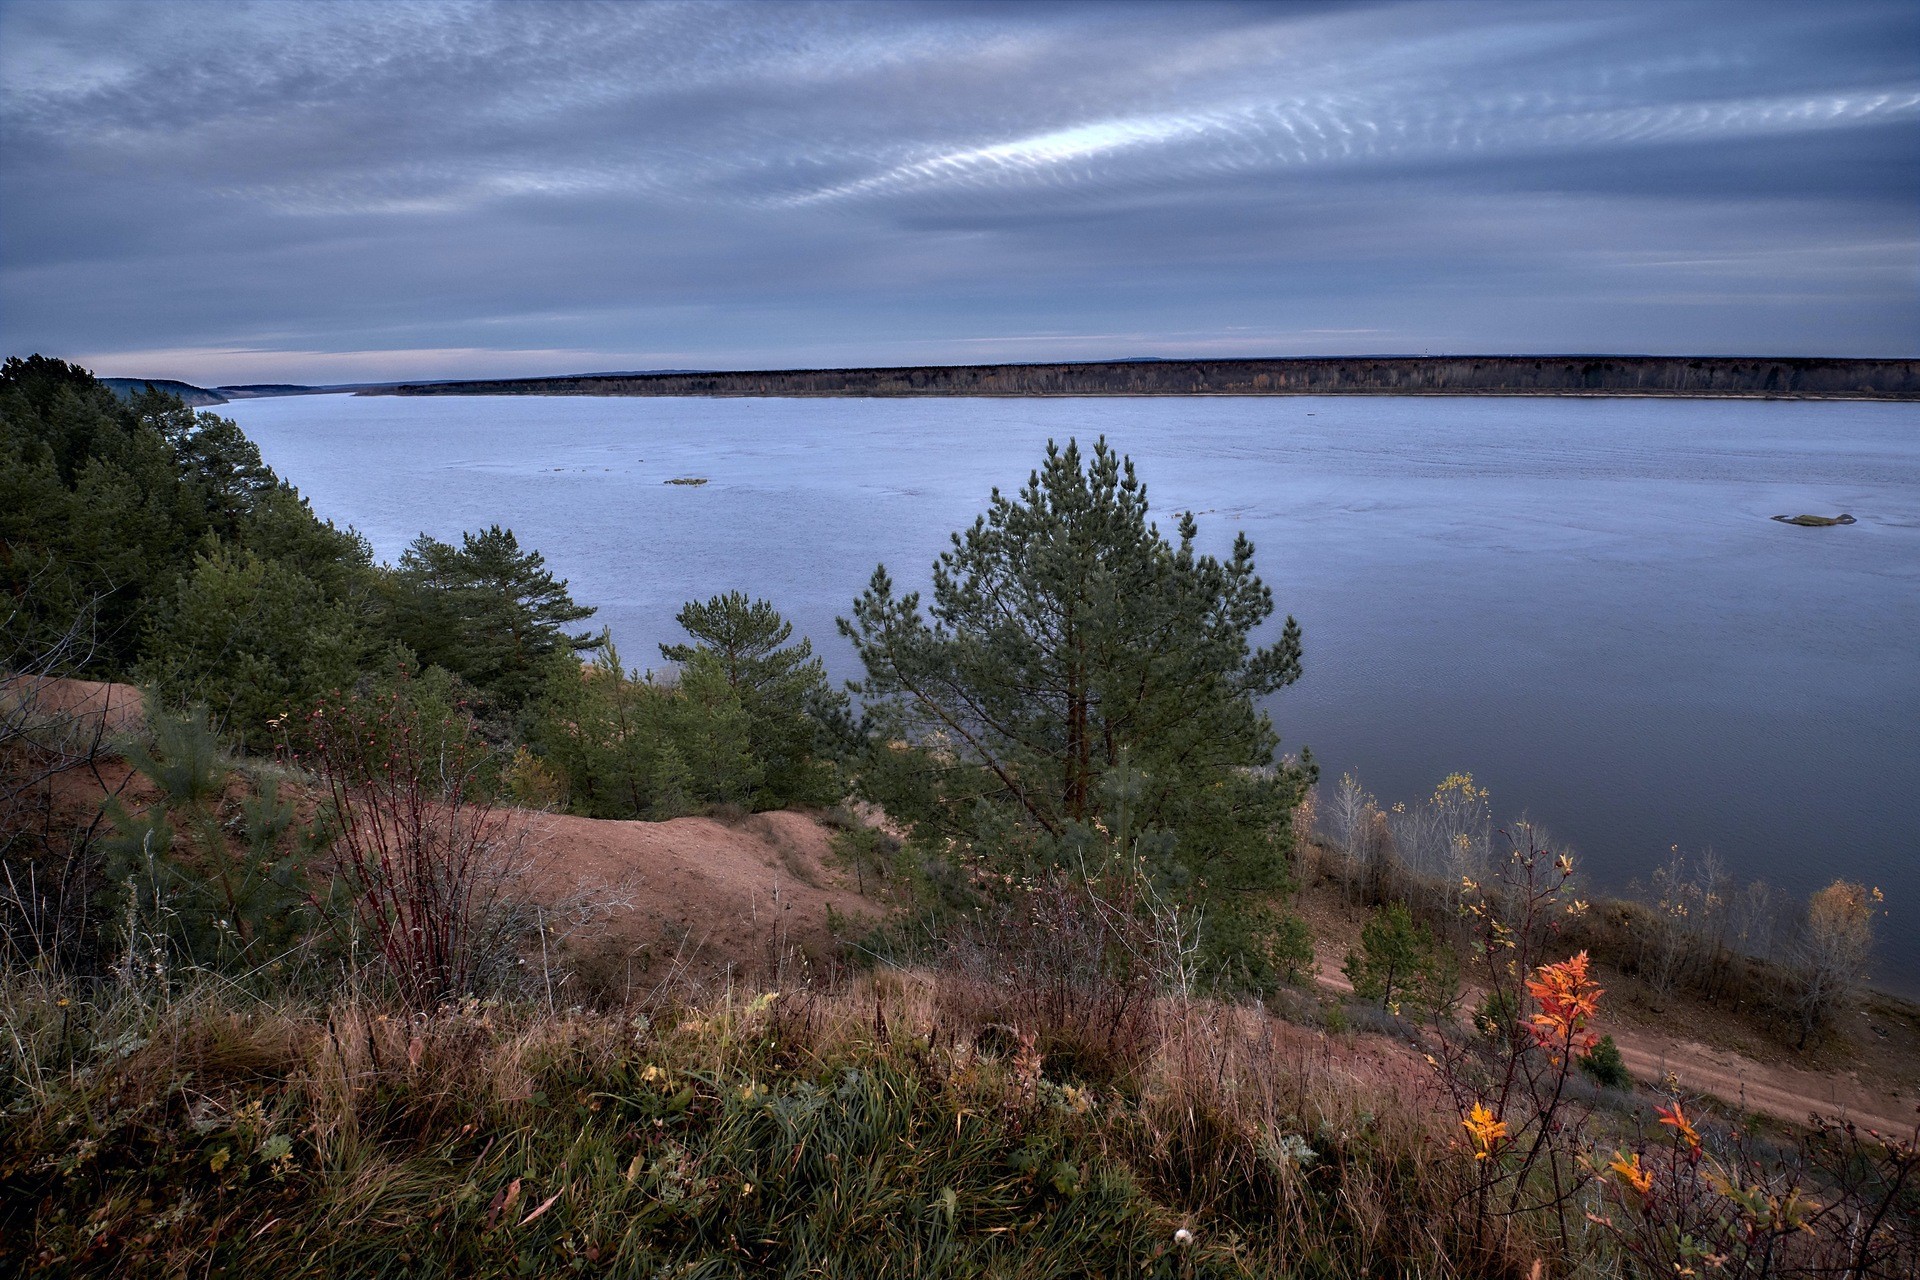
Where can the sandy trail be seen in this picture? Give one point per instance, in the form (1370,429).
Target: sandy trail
(1784,1093)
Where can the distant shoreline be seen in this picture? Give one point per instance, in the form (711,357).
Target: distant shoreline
(1583,377)
(1156,395)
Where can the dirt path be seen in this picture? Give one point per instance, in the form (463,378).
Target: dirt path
(1784,1093)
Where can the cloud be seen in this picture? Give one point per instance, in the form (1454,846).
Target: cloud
(1299,132)
(728,184)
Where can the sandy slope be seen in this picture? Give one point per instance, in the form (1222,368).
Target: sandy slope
(92,707)
(694,897)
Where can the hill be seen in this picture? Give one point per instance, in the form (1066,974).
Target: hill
(258,390)
(198,397)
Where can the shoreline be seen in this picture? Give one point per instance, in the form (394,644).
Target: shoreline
(1743,377)
(404,392)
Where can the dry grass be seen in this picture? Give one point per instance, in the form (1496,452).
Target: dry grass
(905,1124)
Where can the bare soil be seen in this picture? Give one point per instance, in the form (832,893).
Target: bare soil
(79,708)
(692,898)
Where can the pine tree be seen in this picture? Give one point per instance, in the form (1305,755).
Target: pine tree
(253,640)
(1067,638)
(1399,964)
(632,745)
(487,611)
(781,687)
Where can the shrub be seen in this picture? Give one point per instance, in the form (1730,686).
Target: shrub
(1604,1066)
(1509,1086)
(1840,1202)
(187,894)
(1830,957)
(426,859)
(1398,963)
(1256,948)
(628,745)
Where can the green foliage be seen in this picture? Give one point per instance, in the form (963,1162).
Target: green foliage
(488,612)
(631,746)
(1257,947)
(868,852)
(782,689)
(182,756)
(187,892)
(1604,1065)
(422,707)
(160,538)
(747,720)
(254,639)
(219,467)
(1068,640)
(94,514)
(1399,964)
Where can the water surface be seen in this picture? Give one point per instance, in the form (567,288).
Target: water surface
(1582,602)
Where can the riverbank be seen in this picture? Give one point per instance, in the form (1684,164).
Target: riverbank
(1716,377)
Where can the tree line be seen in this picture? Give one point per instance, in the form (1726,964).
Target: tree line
(1814,377)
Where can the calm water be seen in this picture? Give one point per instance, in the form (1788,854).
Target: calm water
(1581,602)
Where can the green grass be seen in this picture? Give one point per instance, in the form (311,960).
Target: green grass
(871,1133)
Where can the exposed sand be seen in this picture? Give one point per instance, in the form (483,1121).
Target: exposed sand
(692,897)
(82,707)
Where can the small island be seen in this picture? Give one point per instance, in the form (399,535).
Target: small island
(1817,522)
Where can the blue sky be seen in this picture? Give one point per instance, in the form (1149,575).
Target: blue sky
(334,191)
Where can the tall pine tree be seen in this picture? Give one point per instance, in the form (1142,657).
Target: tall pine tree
(1072,652)
(746,646)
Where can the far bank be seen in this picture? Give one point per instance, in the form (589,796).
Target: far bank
(1796,378)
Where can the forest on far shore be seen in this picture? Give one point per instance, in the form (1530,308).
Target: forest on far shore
(1790,377)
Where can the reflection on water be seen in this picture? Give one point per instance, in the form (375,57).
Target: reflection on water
(1584,603)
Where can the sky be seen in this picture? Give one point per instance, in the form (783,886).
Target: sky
(356,190)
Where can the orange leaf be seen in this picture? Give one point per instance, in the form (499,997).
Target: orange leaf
(1676,1119)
